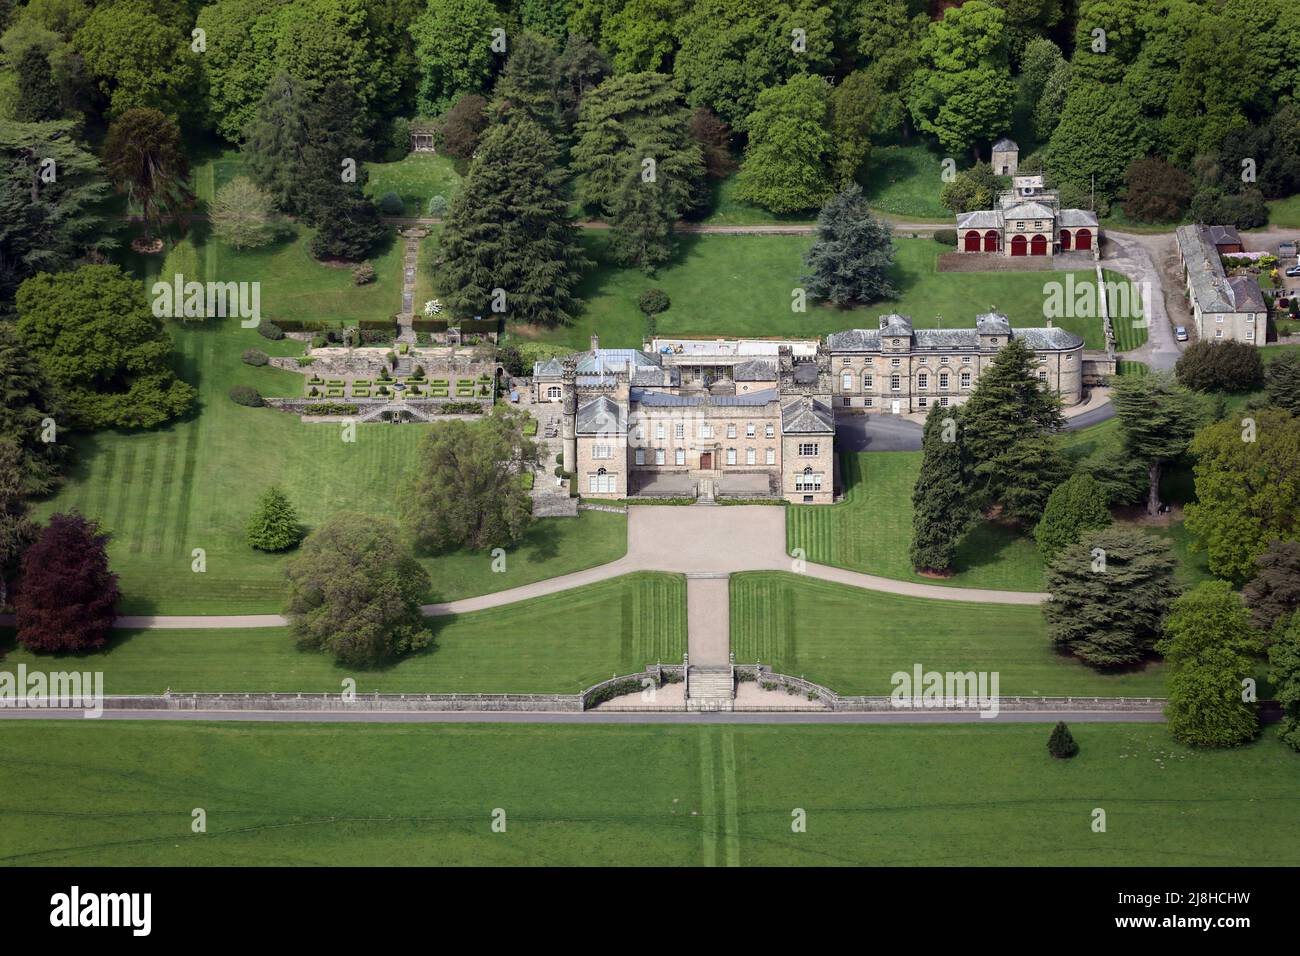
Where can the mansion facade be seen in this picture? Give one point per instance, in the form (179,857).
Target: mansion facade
(756,417)
(748,422)
(900,370)
(1027,220)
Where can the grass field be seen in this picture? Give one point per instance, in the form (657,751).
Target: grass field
(853,641)
(727,210)
(550,645)
(871,530)
(741,285)
(417,178)
(1130,333)
(1284,213)
(90,793)
(905,181)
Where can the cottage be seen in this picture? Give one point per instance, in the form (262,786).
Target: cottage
(1225,308)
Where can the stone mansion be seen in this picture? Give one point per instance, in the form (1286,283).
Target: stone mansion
(755,417)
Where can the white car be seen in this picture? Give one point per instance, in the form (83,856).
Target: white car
(1293,271)
(1180,333)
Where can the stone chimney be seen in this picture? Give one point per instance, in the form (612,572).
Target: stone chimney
(595,341)
(1049,323)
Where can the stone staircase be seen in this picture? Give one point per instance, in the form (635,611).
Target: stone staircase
(710,687)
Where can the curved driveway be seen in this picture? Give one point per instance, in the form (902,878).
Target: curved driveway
(685,539)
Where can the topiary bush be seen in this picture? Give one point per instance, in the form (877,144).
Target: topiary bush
(269,330)
(363,274)
(947,237)
(255,357)
(246,395)
(390,204)
(653,301)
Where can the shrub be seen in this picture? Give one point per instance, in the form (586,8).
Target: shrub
(1220,366)
(947,237)
(653,301)
(1076,505)
(329,408)
(364,274)
(246,395)
(319,341)
(273,525)
(438,206)
(255,357)
(390,204)
(1061,744)
(269,330)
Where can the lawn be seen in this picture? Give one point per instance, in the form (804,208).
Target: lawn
(121,793)
(191,484)
(871,530)
(1284,213)
(558,644)
(853,640)
(727,210)
(417,178)
(905,181)
(1130,332)
(742,284)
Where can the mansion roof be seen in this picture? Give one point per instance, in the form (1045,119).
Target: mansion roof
(807,417)
(653,399)
(1051,338)
(754,371)
(1212,289)
(601,416)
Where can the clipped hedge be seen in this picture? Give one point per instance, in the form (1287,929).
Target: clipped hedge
(247,396)
(947,237)
(329,408)
(429,325)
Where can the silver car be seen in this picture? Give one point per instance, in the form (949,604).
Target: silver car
(1180,333)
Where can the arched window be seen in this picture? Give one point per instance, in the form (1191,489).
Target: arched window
(554,393)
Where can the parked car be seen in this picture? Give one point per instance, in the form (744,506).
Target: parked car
(1180,333)
(1293,271)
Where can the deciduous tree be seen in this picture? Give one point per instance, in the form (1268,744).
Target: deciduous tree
(1273,594)
(1075,506)
(1284,675)
(466,491)
(102,347)
(787,161)
(1247,489)
(355,592)
(68,597)
(1209,645)
(243,216)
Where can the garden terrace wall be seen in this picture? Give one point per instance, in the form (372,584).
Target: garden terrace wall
(764,674)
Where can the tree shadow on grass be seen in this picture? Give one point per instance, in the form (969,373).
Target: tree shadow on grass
(984,545)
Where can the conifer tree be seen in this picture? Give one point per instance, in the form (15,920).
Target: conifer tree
(1008,407)
(273,525)
(276,140)
(530,83)
(940,509)
(642,234)
(853,255)
(1157,419)
(38,97)
(509,228)
(1109,594)
(1061,744)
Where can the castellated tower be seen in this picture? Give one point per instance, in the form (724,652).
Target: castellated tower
(568,419)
